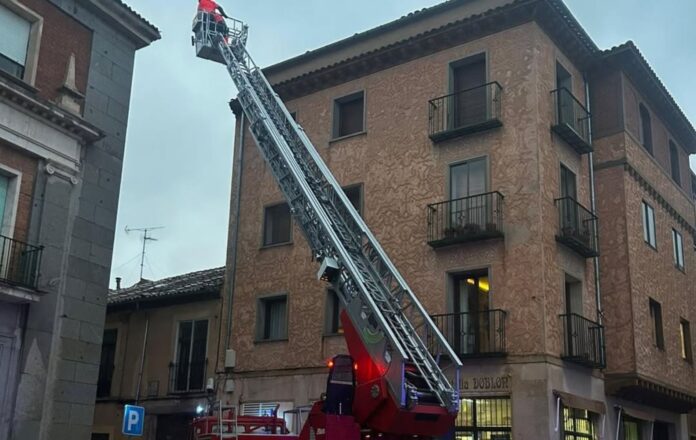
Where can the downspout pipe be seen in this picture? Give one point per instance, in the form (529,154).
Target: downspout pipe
(235,233)
(593,207)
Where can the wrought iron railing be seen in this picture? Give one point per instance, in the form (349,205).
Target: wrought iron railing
(19,263)
(583,341)
(577,227)
(187,377)
(465,111)
(474,334)
(471,218)
(572,120)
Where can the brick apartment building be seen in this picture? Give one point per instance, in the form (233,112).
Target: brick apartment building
(463,135)
(65,81)
(177,320)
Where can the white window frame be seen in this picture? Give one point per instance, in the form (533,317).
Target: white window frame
(649,229)
(34,44)
(7,223)
(678,249)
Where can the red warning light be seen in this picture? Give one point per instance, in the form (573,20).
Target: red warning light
(330,363)
(355,366)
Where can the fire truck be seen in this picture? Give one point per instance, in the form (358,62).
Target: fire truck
(401,378)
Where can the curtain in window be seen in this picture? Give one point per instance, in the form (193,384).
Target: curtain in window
(276,319)
(15,36)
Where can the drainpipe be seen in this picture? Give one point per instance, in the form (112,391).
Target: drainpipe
(233,256)
(593,204)
(142,359)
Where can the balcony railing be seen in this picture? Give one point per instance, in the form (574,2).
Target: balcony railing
(478,217)
(577,227)
(466,111)
(478,334)
(583,341)
(19,263)
(572,120)
(187,377)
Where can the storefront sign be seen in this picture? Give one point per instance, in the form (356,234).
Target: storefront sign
(486,383)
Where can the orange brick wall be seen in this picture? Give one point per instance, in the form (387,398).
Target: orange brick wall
(27,165)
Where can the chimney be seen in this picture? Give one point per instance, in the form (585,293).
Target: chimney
(118,283)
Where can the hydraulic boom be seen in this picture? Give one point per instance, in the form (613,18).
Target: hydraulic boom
(401,385)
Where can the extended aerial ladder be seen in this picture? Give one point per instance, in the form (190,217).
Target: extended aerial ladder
(402,359)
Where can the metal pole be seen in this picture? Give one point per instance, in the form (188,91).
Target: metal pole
(142,256)
(142,361)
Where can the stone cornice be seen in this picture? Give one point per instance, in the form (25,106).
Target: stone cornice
(25,97)
(129,23)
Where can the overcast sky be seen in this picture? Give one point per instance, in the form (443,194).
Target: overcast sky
(177,169)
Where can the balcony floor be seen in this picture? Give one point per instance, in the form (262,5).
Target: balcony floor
(480,236)
(568,134)
(578,246)
(467,129)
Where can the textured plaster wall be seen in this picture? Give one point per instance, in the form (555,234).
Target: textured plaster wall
(402,172)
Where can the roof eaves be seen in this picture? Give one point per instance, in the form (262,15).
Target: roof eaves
(132,24)
(631,50)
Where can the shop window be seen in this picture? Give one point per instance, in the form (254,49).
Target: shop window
(578,425)
(484,419)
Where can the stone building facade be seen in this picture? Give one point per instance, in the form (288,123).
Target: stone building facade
(65,81)
(177,321)
(462,133)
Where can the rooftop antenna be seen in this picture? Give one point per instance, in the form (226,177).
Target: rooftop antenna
(146,238)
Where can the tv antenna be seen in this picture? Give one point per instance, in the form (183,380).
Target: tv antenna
(146,238)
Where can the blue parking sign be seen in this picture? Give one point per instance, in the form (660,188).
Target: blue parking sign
(133,420)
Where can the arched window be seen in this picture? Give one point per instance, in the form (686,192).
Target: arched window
(646,128)
(674,162)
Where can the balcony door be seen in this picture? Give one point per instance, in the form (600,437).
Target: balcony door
(469,212)
(471,323)
(469,100)
(564,84)
(192,343)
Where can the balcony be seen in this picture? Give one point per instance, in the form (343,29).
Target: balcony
(577,227)
(188,377)
(464,112)
(473,218)
(583,341)
(572,121)
(19,263)
(479,334)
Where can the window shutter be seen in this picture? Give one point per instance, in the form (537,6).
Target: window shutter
(14,36)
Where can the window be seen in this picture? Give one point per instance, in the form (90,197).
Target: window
(188,373)
(674,162)
(277,226)
(489,418)
(14,42)
(333,313)
(646,128)
(678,245)
(631,428)
(354,194)
(656,318)
(106,364)
(470,104)
(568,183)
(272,319)
(649,224)
(685,337)
(4,187)
(349,115)
(578,425)
(260,409)
(468,178)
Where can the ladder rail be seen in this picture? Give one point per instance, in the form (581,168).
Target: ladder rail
(308,193)
(334,229)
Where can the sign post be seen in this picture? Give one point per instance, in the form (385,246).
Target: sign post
(133,420)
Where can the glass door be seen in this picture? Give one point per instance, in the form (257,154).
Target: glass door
(472,329)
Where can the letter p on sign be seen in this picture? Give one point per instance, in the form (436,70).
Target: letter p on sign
(133,420)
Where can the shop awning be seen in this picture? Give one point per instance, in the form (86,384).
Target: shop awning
(577,402)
